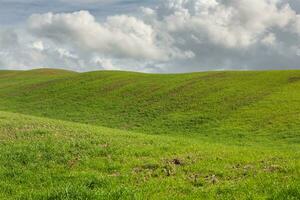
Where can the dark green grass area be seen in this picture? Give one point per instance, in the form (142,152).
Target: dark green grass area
(265,102)
(210,135)
(48,159)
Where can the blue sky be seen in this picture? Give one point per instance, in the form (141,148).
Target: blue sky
(160,36)
(17,11)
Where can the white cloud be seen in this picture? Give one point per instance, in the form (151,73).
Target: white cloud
(121,36)
(103,62)
(269,40)
(174,36)
(233,23)
(38,45)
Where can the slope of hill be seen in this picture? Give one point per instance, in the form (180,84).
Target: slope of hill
(212,135)
(228,105)
(49,159)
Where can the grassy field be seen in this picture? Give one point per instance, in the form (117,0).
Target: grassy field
(122,135)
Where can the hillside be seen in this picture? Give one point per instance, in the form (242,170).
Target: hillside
(233,105)
(210,135)
(49,159)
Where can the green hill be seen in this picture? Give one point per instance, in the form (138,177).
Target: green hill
(266,102)
(49,159)
(210,135)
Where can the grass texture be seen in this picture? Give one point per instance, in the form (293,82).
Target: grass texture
(123,135)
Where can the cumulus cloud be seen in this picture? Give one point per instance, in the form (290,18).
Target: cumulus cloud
(120,36)
(232,34)
(174,36)
(17,52)
(231,23)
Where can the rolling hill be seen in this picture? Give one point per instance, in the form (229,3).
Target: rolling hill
(202,103)
(124,135)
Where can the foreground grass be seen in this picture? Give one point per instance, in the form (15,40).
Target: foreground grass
(49,159)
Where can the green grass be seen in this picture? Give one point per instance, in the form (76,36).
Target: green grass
(123,135)
(184,103)
(49,159)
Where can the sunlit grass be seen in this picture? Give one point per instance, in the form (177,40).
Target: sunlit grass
(216,135)
(48,159)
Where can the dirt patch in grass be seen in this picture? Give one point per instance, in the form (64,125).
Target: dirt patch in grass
(293,79)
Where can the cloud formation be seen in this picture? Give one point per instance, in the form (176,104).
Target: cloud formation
(233,23)
(174,36)
(120,36)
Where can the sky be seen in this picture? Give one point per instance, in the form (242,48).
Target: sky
(154,36)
